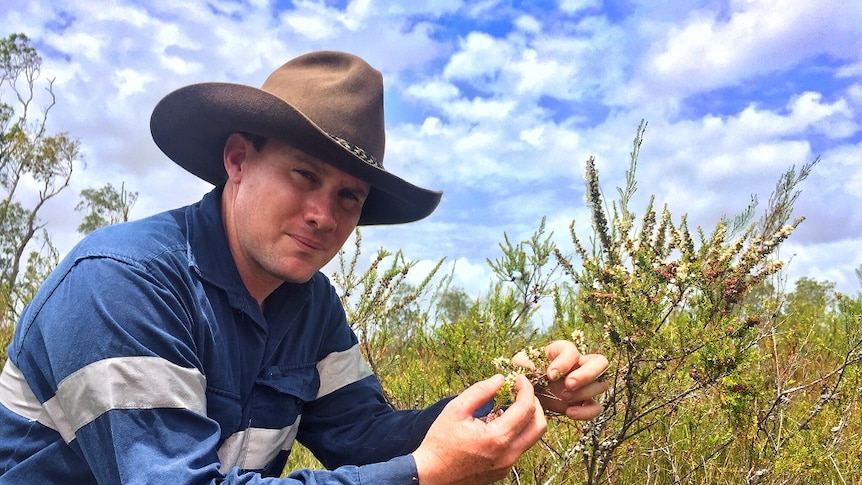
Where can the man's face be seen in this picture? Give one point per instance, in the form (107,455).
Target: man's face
(287,213)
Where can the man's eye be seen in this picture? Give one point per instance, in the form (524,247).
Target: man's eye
(306,174)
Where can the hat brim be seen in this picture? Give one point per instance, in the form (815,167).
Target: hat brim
(191,125)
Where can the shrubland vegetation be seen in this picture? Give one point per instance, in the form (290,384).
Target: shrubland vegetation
(718,373)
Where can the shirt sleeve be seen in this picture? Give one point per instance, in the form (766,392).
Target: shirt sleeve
(107,355)
(350,422)
(374,431)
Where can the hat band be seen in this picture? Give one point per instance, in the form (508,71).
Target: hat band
(359,152)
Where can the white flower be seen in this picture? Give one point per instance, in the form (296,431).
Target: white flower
(579,339)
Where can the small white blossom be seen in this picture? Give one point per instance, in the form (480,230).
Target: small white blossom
(579,339)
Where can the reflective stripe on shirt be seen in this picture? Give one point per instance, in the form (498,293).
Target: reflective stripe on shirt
(17,397)
(114,383)
(339,369)
(255,448)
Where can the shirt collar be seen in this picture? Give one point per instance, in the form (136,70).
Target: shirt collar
(208,251)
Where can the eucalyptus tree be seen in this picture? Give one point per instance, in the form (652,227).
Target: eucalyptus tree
(35,166)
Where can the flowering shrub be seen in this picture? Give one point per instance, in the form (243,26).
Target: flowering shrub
(716,376)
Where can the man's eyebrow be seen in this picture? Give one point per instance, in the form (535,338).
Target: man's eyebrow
(322,167)
(306,159)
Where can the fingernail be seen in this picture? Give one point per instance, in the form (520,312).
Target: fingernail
(555,374)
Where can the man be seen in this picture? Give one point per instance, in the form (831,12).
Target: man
(196,345)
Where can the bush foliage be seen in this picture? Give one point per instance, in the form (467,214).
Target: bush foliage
(716,375)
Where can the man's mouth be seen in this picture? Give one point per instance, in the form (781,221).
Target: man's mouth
(307,243)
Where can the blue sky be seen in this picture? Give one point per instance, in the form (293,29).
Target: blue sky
(499,104)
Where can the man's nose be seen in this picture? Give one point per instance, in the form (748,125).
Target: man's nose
(321,210)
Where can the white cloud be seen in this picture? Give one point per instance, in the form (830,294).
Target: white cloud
(854,95)
(754,138)
(88,45)
(574,6)
(528,23)
(311,23)
(481,110)
(757,38)
(434,92)
(474,278)
(537,77)
(481,56)
(316,21)
(834,261)
(850,70)
(481,8)
(178,65)
(130,14)
(130,81)
(507,116)
(533,136)
(516,66)
(841,170)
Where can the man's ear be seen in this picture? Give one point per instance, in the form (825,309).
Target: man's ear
(235,154)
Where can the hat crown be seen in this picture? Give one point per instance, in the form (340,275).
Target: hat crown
(341,94)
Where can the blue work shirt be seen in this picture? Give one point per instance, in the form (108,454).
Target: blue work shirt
(144,359)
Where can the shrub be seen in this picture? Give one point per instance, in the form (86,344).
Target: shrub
(716,376)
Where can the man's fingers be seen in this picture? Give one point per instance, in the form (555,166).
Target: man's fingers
(585,410)
(521,410)
(524,418)
(564,357)
(521,359)
(592,366)
(561,348)
(584,393)
(478,395)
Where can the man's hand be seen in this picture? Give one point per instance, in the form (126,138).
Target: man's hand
(574,380)
(461,449)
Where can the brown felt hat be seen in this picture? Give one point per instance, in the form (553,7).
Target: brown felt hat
(328,104)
